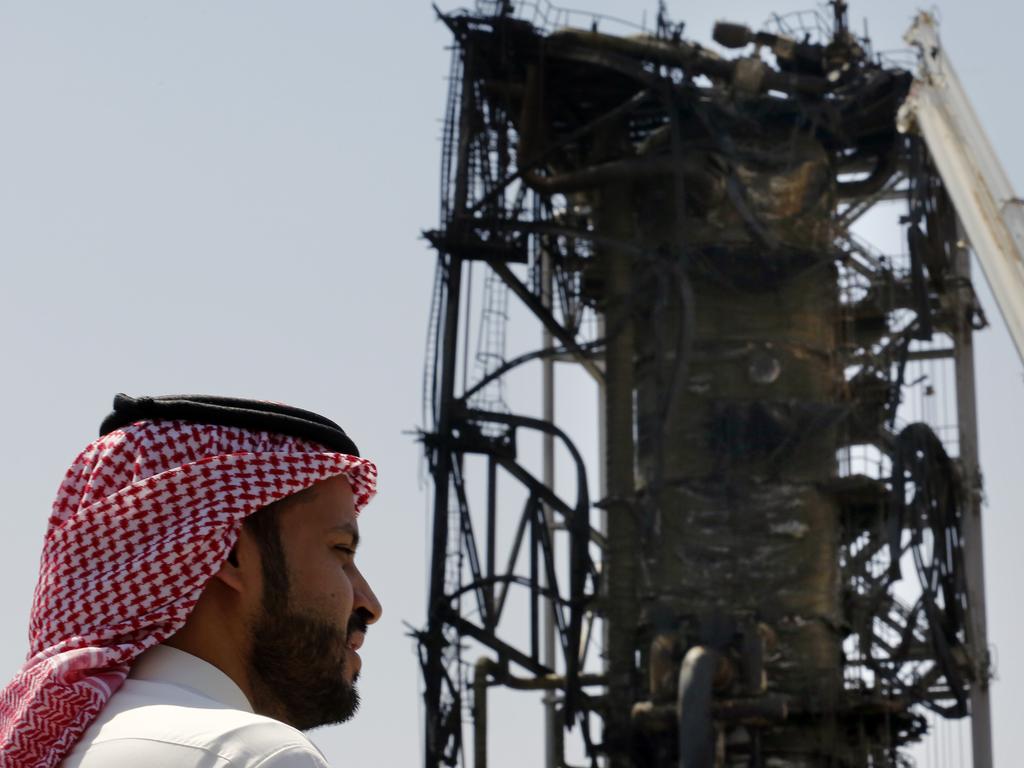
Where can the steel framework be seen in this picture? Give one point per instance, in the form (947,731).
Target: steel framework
(684,227)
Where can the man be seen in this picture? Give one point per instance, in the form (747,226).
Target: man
(198,601)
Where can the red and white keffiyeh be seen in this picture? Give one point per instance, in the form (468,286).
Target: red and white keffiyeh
(144,517)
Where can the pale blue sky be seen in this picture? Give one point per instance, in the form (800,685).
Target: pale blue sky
(226,197)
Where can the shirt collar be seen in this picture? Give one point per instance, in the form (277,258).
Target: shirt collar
(163,664)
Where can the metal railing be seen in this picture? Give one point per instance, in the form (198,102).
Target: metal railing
(547,17)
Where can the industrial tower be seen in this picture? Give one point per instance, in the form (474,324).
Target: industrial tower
(784,564)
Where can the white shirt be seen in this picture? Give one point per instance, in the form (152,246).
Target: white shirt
(178,711)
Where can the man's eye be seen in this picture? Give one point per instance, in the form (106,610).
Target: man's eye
(345,549)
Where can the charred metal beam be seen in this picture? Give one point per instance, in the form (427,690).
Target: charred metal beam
(533,302)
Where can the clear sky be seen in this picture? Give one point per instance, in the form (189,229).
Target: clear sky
(226,197)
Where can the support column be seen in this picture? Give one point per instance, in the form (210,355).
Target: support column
(442,458)
(551,758)
(619,579)
(974,565)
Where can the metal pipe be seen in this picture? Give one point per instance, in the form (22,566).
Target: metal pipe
(691,58)
(548,478)
(593,176)
(547,682)
(701,184)
(620,576)
(973,554)
(693,708)
(483,668)
(530,300)
(536,512)
(881,173)
(492,525)
(759,711)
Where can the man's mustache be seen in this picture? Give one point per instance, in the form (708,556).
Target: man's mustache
(359,621)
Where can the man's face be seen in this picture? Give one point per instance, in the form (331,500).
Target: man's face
(315,609)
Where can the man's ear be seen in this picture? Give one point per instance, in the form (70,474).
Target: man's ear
(235,572)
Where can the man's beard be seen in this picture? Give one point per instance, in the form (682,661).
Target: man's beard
(297,667)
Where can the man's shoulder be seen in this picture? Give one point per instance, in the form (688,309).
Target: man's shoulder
(172,726)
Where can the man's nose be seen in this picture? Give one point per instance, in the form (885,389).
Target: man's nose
(365,599)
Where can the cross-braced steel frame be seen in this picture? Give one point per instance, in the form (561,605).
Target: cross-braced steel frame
(628,178)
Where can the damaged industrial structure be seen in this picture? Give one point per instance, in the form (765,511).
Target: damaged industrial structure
(680,224)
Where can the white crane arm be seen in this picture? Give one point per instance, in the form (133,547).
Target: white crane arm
(992,216)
